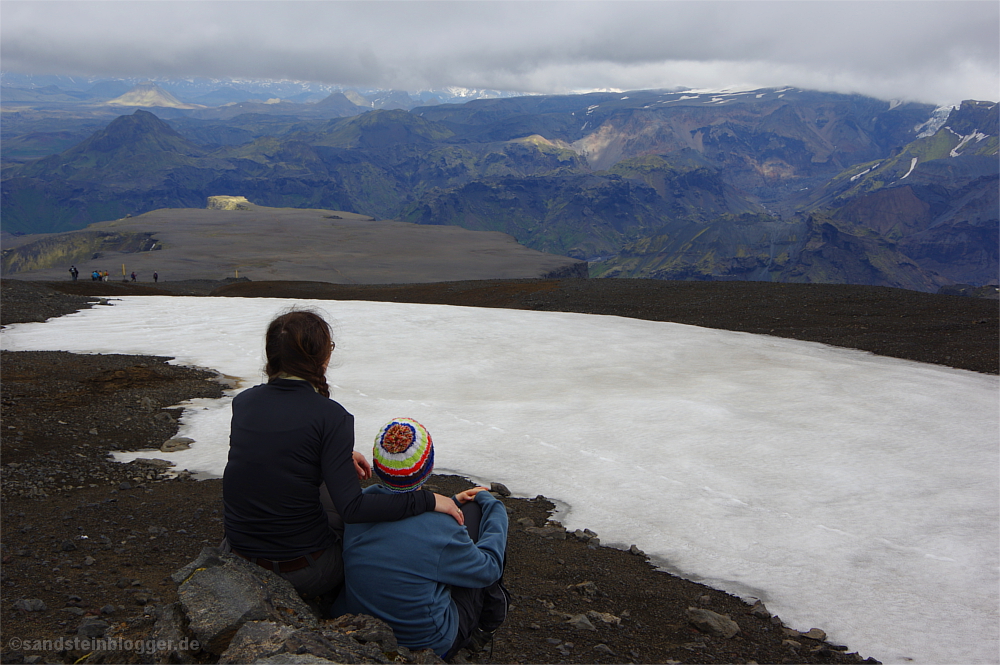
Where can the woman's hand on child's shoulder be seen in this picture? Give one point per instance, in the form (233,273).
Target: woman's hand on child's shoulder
(443,504)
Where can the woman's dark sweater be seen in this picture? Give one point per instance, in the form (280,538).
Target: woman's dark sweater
(286,439)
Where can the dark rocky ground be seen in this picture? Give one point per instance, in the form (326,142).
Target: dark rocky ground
(91,537)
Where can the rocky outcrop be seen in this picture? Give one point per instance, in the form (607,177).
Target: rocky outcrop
(229,203)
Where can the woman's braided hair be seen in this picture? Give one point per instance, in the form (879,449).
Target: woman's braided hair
(299,344)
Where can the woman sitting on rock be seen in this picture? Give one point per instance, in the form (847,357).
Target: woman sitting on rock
(291,481)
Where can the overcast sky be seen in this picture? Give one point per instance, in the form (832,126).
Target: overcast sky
(931,51)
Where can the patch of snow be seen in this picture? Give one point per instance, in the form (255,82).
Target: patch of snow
(860,492)
(938,117)
(893,103)
(623,98)
(913,165)
(979,136)
(869,169)
(731,90)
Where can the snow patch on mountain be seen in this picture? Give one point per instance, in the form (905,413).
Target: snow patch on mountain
(938,117)
(868,170)
(979,136)
(913,165)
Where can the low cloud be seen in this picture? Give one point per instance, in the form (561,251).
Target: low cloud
(935,52)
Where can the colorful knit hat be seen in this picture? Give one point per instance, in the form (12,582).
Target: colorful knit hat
(403,456)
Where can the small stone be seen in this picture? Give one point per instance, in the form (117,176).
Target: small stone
(164,417)
(30,605)
(67,546)
(74,610)
(547,532)
(760,611)
(588,588)
(604,617)
(92,627)
(708,621)
(175,444)
(93,431)
(108,609)
(526,522)
(89,560)
(604,648)
(581,622)
(125,485)
(815,634)
(500,489)
(636,551)
(153,462)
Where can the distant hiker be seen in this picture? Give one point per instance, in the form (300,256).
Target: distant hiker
(437,584)
(73,272)
(291,481)
(156,277)
(106,276)
(94,276)
(133,275)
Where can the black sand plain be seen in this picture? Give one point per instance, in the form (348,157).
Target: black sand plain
(62,412)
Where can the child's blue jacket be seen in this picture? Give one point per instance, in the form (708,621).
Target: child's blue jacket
(400,571)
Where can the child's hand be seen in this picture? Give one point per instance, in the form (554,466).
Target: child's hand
(470,494)
(361,465)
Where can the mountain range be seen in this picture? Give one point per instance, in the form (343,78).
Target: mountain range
(776,184)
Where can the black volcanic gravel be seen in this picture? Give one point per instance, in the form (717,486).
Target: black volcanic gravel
(82,533)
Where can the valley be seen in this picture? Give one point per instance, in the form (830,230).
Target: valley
(778,185)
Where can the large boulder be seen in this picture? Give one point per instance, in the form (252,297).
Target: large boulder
(232,611)
(220,592)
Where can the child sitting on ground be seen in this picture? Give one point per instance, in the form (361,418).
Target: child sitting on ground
(436,583)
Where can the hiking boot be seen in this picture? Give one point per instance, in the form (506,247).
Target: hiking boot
(479,640)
